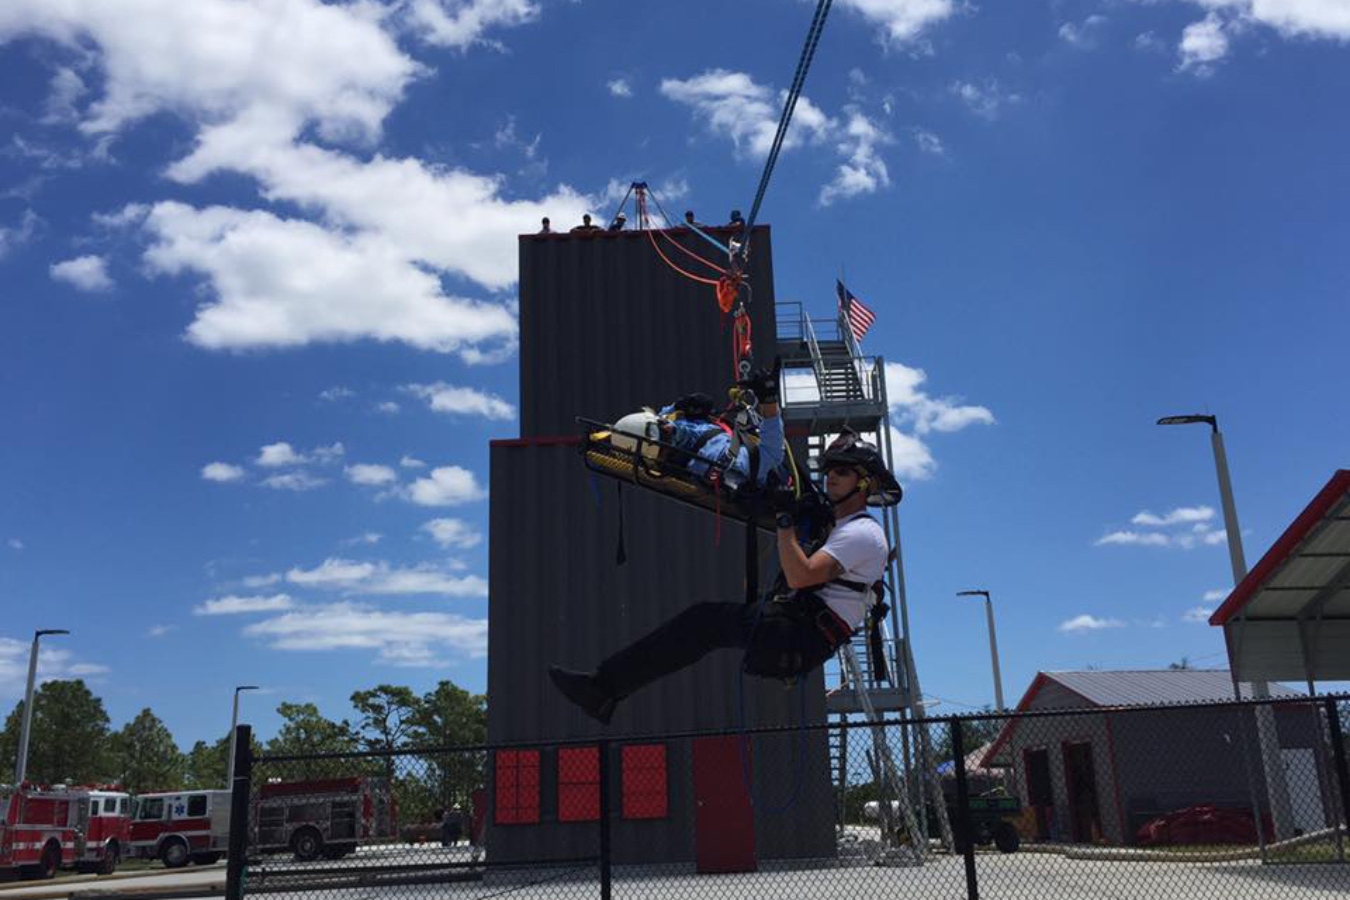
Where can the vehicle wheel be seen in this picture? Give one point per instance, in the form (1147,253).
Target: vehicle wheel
(1006,838)
(174,855)
(51,861)
(205,859)
(112,856)
(307,844)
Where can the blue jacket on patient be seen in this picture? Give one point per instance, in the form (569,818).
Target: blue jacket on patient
(688,432)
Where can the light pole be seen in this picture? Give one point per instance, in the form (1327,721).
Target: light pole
(993,644)
(234,722)
(1272,764)
(21,765)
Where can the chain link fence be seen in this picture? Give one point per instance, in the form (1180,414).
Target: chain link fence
(1231,800)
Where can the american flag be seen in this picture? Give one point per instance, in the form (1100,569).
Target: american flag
(860,318)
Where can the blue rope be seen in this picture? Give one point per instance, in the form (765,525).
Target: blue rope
(789,105)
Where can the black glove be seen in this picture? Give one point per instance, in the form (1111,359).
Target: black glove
(764,382)
(782,500)
(695,406)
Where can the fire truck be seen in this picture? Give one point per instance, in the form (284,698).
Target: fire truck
(43,829)
(179,827)
(326,817)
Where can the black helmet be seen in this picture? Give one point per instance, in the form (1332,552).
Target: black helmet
(850,450)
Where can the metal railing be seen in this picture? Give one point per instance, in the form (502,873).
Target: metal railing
(1114,802)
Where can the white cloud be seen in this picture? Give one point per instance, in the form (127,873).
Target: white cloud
(328,455)
(298,61)
(233,605)
(1149,42)
(446,486)
(1198,615)
(66,88)
(928,142)
(1182,515)
(1084,36)
(985,100)
(1329,19)
(222,472)
(158,631)
(298,480)
(448,398)
(1135,538)
(370,474)
(405,639)
(388,408)
(1215,595)
(1202,44)
(13,237)
(619,87)
(14,544)
(412,462)
(911,404)
(381,578)
(460,23)
(257,581)
(1089,623)
(288,283)
(279,454)
(54,662)
(863,171)
(87,273)
(369,538)
(452,533)
(902,20)
(733,105)
(910,457)
(335,393)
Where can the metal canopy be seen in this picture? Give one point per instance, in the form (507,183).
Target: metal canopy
(1290,617)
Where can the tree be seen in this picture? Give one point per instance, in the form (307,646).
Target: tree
(386,719)
(449,717)
(144,756)
(304,732)
(206,765)
(975,733)
(1181,665)
(68,742)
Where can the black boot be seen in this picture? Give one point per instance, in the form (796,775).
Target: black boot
(584,689)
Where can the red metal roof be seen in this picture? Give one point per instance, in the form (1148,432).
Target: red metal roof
(1312,550)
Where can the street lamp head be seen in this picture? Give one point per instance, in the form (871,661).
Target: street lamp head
(247,687)
(1194,419)
(984,594)
(46,631)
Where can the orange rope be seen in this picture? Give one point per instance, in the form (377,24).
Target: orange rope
(689,275)
(687,252)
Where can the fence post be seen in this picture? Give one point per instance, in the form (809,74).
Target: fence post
(239,797)
(606,875)
(965,834)
(1338,757)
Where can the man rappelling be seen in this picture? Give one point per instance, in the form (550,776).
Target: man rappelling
(824,593)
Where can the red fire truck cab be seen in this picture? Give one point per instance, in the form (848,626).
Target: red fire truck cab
(325,817)
(43,829)
(179,827)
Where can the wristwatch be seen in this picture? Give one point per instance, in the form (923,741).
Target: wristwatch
(785,520)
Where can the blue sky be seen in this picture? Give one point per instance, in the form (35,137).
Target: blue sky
(257,323)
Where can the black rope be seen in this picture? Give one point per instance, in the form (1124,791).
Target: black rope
(790,104)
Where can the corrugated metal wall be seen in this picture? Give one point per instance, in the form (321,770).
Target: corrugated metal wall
(606,327)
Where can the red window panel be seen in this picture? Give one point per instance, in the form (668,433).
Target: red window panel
(517,787)
(645,789)
(579,784)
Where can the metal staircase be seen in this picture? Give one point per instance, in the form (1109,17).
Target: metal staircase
(829,385)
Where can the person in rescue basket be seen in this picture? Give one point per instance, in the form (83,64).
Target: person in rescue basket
(699,439)
(819,601)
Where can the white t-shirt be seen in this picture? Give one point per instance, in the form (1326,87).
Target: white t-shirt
(859,545)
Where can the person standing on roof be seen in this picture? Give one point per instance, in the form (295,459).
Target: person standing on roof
(585,227)
(820,600)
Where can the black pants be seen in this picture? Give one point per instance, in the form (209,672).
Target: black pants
(783,642)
